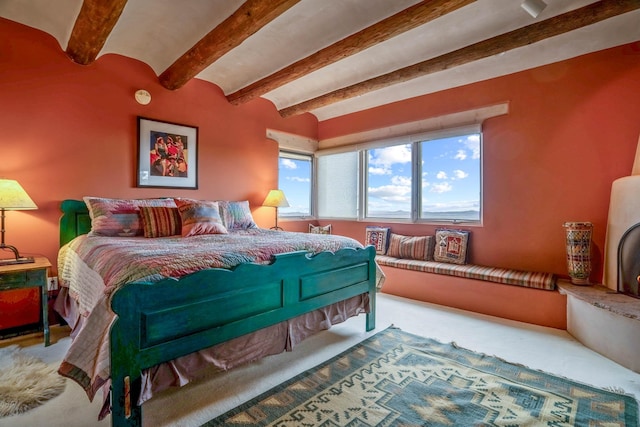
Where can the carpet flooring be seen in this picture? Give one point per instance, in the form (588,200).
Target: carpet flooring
(539,348)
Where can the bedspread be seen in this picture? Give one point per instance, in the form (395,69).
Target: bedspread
(94,267)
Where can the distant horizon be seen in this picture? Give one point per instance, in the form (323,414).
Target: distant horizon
(469,214)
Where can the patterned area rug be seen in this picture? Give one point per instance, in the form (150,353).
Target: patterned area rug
(397,379)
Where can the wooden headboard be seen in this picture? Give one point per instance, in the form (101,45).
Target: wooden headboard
(75,220)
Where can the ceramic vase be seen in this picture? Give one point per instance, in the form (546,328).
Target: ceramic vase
(579,251)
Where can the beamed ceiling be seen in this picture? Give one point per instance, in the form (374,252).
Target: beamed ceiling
(329,57)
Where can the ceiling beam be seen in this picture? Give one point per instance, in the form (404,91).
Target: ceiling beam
(405,20)
(91,29)
(239,26)
(524,36)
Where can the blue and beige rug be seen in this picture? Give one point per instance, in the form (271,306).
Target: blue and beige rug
(397,379)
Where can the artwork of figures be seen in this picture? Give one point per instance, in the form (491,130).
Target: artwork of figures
(167,155)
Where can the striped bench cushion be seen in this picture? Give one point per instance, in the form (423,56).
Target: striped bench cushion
(528,279)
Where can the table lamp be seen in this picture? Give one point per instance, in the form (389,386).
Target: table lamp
(276,199)
(13,198)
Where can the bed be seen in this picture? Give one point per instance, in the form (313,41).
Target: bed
(155,321)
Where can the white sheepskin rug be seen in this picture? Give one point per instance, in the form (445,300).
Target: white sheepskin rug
(25,381)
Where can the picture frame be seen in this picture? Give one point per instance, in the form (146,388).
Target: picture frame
(167,154)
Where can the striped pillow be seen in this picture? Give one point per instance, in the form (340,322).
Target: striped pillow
(160,221)
(200,217)
(411,247)
(119,217)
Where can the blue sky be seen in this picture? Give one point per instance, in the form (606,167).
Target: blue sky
(450,176)
(295,181)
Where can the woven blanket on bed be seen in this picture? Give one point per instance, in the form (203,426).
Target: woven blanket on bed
(94,267)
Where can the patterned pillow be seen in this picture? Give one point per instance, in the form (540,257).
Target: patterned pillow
(411,247)
(451,246)
(160,221)
(320,229)
(119,217)
(200,217)
(236,215)
(378,237)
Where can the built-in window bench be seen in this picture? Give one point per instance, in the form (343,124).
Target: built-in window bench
(605,321)
(517,295)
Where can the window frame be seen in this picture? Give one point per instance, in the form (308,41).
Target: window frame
(283,153)
(416,141)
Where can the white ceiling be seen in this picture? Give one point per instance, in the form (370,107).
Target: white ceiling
(158,32)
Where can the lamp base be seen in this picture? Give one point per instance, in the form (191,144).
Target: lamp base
(21,260)
(277,228)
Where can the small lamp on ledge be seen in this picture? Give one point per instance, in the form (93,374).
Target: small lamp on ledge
(276,199)
(13,198)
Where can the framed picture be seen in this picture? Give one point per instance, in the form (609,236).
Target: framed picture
(167,154)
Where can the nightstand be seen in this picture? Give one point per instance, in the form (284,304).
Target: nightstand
(20,276)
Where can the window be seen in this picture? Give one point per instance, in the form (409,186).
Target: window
(450,178)
(294,179)
(389,177)
(426,178)
(338,185)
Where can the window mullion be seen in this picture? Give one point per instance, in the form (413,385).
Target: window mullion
(416,180)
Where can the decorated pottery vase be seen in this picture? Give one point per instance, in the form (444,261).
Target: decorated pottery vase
(579,251)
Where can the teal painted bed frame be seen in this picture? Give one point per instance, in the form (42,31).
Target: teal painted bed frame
(159,322)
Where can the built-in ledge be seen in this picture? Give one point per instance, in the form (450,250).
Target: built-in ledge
(604,321)
(604,298)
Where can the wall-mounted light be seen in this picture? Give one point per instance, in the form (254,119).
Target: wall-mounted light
(533,7)
(143,97)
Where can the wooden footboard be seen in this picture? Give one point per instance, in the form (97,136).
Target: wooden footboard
(164,320)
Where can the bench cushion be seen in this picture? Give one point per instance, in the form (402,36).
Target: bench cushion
(546,281)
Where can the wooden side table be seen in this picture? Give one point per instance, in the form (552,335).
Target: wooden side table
(20,276)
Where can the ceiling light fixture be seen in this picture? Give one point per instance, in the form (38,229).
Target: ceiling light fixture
(533,7)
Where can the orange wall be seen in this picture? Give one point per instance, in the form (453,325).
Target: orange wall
(70,131)
(571,130)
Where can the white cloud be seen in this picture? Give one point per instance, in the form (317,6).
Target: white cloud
(441,187)
(473,143)
(396,193)
(460,155)
(401,180)
(379,171)
(298,179)
(385,157)
(441,175)
(288,163)
(459,174)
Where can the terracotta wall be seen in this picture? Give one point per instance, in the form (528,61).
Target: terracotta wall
(571,130)
(70,130)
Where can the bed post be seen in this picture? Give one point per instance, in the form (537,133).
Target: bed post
(373,289)
(126,372)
